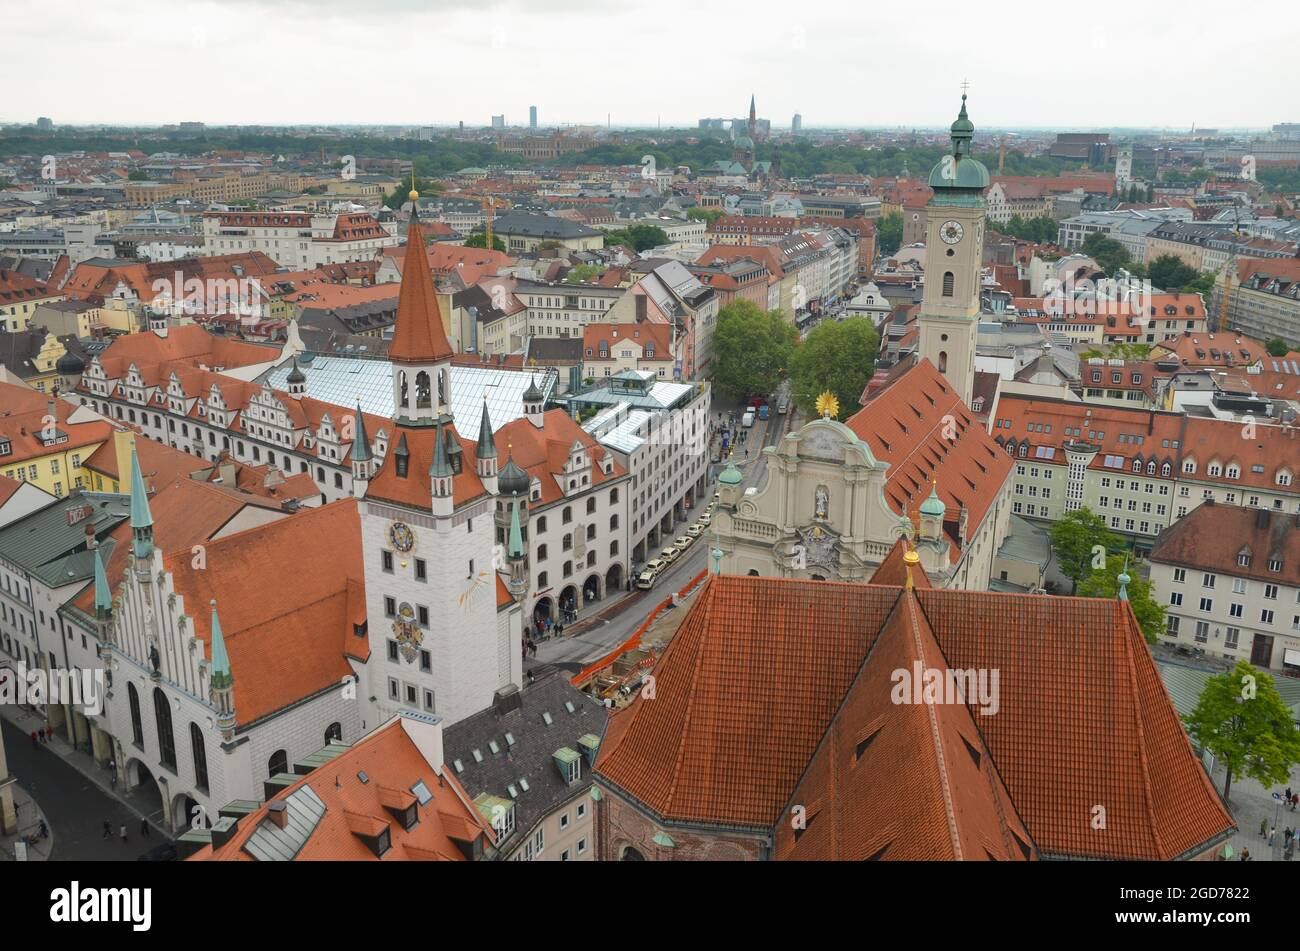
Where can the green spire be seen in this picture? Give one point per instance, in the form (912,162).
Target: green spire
(487,447)
(360,441)
(221,676)
(440,468)
(141,517)
(516,535)
(103,594)
(1124,580)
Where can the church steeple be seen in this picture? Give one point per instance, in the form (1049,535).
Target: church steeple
(141,516)
(419,352)
(485,453)
(361,457)
(221,679)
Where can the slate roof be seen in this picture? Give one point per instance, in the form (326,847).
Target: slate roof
(530,758)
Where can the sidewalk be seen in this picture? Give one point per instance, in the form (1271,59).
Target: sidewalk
(29,820)
(85,764)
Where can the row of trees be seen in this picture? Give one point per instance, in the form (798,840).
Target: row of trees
(755,350)
(638,237)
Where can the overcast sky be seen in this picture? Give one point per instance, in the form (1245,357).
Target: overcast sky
(1126,63)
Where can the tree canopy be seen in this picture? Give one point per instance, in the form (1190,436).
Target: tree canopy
(638,237)
(1075,540)
(1277,347)
(751,349)
(1104,583)
(889,233)
(479,240)
(838,356)
(1243,721)
(1042,230)
(1169,273)
(1109,254)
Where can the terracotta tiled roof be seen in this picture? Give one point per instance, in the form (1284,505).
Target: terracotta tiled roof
(905,426)
(769,686)
(596,337)
(23,415)
(415,489)
(893,570)
(1213,537)
(419,335)
(393,764)
(286,632)
(543,453)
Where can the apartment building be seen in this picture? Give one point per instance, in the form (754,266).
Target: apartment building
(564,310)
(1261,298)
(1229,578)
(296,240)
(1140,469)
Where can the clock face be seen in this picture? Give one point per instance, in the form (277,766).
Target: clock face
(951,231)
(401,537)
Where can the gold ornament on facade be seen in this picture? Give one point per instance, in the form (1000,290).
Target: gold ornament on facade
(828,405)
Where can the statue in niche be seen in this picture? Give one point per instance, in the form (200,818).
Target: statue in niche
(821,504)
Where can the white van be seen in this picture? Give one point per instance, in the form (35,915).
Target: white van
(748,419)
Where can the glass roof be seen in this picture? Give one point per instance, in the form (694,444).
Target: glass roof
(346,381)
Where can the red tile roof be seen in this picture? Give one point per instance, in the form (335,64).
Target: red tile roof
(393,763)
(907,425)
(419,335)
(756,710)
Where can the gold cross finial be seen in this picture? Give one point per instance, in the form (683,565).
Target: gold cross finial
(964,86)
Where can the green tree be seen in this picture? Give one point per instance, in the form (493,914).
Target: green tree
(1041,230)
(582,273)
(1243,721)
(401,194)
(1076,537)
(889,233)
(135,175)
(1277,347)
(1104,583)
(479,240)
(1109,254)
(638,237)
(751,349)
(708,215)
(1168,272)
(836,356)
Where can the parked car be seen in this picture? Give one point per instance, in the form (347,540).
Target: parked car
(649,573)
(695,530)
(670,554)
(707,517)
(683,542)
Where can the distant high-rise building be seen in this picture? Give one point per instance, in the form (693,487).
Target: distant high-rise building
(796,125)
(45,123)
(532,117)
(499,122)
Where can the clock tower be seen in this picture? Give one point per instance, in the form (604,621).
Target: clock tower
(950,306)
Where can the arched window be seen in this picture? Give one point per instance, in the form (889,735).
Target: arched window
(278,763)
(162,712)
(943,361)
(422,398)
(947,284)
(405,399)
(442,387)
(334,734)
(200,757)
(137,728)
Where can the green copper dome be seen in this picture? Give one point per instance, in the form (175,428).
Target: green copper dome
(730,475)
(959,171)
(933,505)
(745,143)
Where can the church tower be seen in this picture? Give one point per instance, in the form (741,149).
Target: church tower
(442,637)
(950,306)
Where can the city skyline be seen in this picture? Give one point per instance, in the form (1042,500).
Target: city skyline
(348,79)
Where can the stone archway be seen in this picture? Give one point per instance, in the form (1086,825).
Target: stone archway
(614,579)
(188,813)
(630,854)
(569,599)
(592,590)
(543,611)
(146,792)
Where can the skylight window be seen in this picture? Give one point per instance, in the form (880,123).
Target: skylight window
(460,767)
(546,718)
(510,739)
(494,747)
(422,793)
(478,756)
(523,784)
(568,705)
(363,777)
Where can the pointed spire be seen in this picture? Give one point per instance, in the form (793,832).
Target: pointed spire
(103,594)
(1124,580)
(296,375)
(360,441)
(440,467)
(516,549)
(221,676)
(141,516)
(487,447)
(418,335)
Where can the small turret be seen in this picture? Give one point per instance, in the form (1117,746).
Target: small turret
(729,485)
(534,403)
(221,680)
(441,475)
(141,521)
(361,456)
(297,380)
(932,512)
(485,452)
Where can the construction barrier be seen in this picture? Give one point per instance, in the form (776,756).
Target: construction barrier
(581,678)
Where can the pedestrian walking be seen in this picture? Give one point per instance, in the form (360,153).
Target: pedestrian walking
(144,828)
(123,831)
(1288,793)
(1245,855)
(108,829)
(1295,800)
(1271,833)
(41,733)
(43,830)
(35,741)
(1263,828)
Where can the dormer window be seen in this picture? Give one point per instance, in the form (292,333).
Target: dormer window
(1243,558)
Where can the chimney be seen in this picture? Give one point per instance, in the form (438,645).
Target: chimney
(224,829)
(277,811)
(1262,517)
(640,307)
(226,470)
(123,443)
